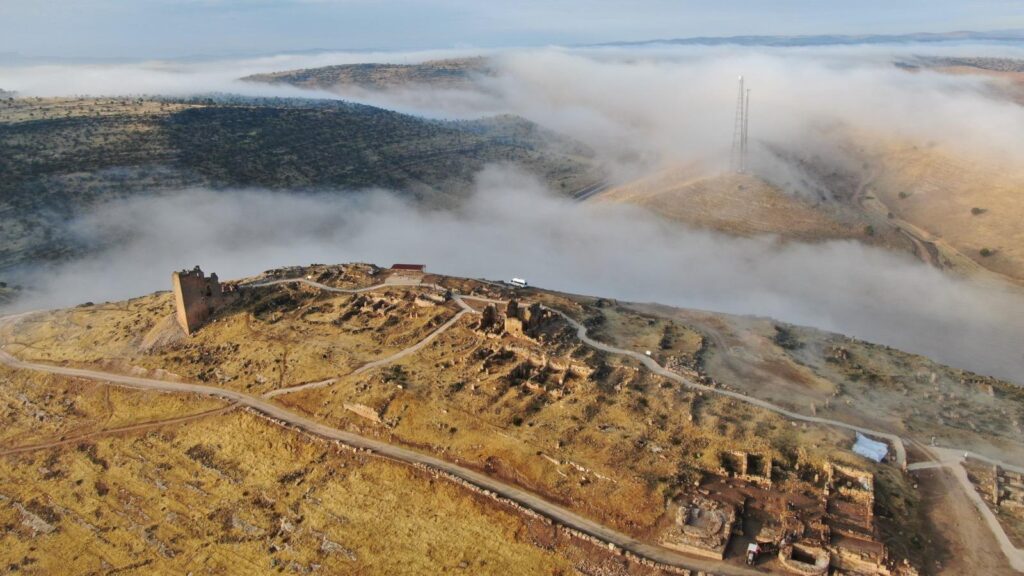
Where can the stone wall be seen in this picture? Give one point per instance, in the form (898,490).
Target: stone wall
(196,297)
(815,560)
(522,320)
(364,411)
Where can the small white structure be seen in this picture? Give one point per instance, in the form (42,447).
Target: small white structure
(870,449)
(519,282)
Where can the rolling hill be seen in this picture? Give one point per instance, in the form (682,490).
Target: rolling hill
(59,157)
(969,207)
(450,73)
(738,204)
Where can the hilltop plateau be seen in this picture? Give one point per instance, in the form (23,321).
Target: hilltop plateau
(625,415)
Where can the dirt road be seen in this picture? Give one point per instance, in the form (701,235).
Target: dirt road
(653,366)
(132,428)
(924,247)
(950,459)
(522,497)
(383,361)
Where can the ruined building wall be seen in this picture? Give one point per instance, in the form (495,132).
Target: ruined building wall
(196,297)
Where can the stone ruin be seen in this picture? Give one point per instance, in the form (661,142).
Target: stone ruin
(852,537)
(702,527)
(371,414)
(1007,490)
(518,320)
(197,297)
(804,559)
(752,468)
(490,319)
(850,497)
(534,368)
(430,299)
(523,321)
(836,531)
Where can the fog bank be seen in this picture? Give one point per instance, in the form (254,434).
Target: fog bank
(639,107)
(511,226)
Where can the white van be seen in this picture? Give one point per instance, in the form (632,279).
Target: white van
(518,282)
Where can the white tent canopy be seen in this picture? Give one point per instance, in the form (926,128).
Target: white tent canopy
(871,449)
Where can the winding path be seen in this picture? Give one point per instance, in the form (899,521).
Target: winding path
(581,333)
(951,459)
(119,430)
(383,361)
(653,366)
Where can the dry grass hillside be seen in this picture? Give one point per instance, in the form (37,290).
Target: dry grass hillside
(230,493)
(831,375)
(594,432)
(972,205)
(740,204)
(450,73)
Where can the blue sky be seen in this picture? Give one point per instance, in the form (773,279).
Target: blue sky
(173,28)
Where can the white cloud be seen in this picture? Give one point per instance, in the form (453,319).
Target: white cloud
(512,227)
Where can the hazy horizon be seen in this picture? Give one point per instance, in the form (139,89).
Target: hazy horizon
(163,29)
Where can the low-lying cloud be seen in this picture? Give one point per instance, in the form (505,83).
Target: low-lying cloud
(641,108)
(511,226)
(187,77)
(638,107)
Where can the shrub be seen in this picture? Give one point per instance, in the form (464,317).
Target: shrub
(785,338)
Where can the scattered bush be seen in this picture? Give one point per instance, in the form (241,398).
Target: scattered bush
(785,338)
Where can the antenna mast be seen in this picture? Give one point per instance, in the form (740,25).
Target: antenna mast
(746,122)
(739,131)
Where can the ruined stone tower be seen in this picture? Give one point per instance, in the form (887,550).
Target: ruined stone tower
(196,297)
